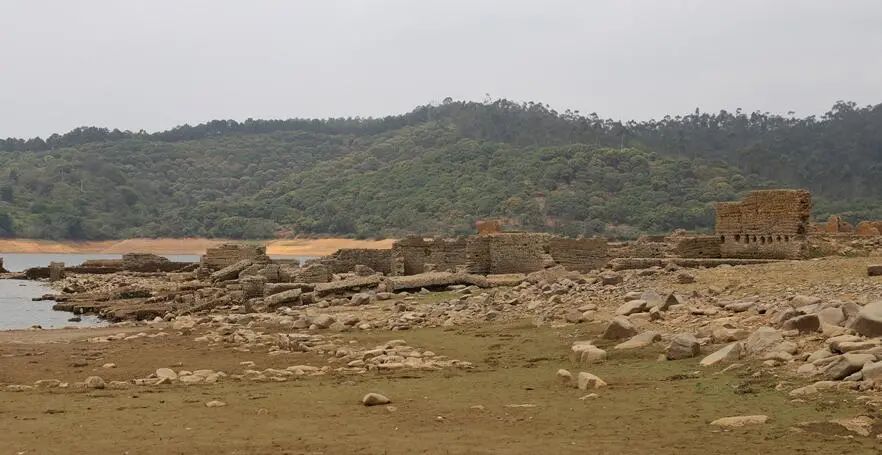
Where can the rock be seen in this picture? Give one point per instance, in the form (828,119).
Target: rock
(727,354)
(869,320)
(872,371)
(362,298)
(619,328)
(632,307)
(586,353)
(874,270)
(574,316)
(639,341)
(565,377)
(685,278)
(610,278)
(166,373)
(589,381)
(652,299)
(323,321)
(832,316)
(375,399)
(763,339)
(683,346)
(108,365)
(284,298)
(740,421)
(739,307)
(804,324)
(95,382)
(846,364)
(215,404)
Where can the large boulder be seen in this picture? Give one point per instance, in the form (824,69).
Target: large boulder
(587,381)
(869,320)
(683,346)
(619,328)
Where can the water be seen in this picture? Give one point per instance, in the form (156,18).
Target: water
(17,311)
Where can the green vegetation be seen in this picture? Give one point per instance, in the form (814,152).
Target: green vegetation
(434,170)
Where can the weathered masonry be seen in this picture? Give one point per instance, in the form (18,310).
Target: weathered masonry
(767,224)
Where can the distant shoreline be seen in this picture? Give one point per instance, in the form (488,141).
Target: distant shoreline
(294,247)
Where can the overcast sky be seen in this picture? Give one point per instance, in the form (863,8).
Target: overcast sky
(160,63)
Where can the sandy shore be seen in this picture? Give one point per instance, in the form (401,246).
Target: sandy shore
(298,247)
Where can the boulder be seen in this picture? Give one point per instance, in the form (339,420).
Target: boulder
(611,278)
(846,364)
(639,341)
(763,339)
(683,346)
(874,270)
(727,354)
(323,321)
(166,373)
(831,316)
(375,399)
(804,324)
(619,328)
(95,382)
(564,377)
(574,316)
(872,371)
(868,321)
(587,381)
(584,352)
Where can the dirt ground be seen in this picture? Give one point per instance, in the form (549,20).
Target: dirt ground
(295,247)
(511,402)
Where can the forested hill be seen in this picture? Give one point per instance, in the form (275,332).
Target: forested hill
(434,170)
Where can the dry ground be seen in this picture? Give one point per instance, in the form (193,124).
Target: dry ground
(510,403)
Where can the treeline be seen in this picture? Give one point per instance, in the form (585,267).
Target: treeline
(436,169)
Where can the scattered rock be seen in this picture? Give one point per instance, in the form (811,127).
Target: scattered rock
(727,354)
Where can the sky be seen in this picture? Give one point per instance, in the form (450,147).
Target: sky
(156,64)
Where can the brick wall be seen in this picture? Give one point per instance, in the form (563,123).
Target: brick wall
(411,255)
(579,254)
(229,254)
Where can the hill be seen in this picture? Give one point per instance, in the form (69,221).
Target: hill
(434,170)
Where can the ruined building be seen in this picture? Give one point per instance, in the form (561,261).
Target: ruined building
(767,224)
(490,253)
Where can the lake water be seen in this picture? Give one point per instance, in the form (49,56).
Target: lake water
(17,311)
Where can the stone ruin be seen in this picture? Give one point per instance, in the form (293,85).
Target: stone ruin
(486,254)
(767,224)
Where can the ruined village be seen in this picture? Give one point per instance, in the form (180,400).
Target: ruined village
(779,312)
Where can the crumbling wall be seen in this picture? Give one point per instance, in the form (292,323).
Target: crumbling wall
(579,254)
(519,252)
(229,254)
(767,224)
(345,260)
(697,247)
(414,255)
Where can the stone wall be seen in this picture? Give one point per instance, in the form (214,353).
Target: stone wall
(767,224)
(414,255)
(579,254)
(498,253)
(703,246)
(345,260)
(229,254)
